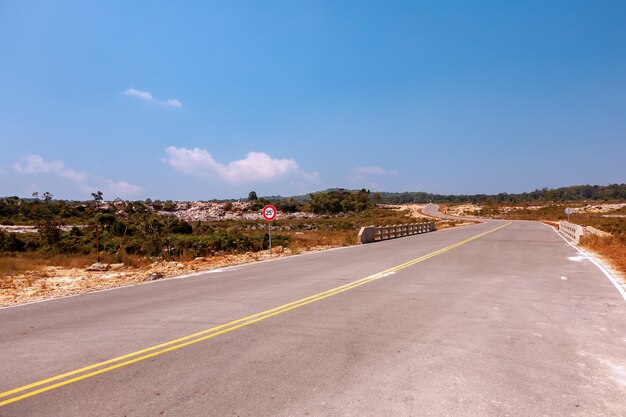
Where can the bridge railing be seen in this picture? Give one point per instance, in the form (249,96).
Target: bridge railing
(374,234)
(571,230)
(575,231)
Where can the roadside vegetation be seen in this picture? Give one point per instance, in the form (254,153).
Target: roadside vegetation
(77,234)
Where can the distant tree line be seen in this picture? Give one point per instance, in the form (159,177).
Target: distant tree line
(572,193)
(138,227)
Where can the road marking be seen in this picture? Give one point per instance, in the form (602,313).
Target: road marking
(381,275)
(577,258)
(143,354)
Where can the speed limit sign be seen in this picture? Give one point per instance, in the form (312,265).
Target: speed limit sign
(269,212)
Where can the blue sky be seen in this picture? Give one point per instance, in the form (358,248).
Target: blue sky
(201,100)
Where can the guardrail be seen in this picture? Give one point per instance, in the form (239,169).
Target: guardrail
(374,234)
(571,230)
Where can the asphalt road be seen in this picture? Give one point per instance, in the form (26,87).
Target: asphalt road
(507,320)
(433,210)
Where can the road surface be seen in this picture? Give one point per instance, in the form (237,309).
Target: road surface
(433,210)
(492,319)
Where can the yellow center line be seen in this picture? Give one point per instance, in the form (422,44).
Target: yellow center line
(181,342)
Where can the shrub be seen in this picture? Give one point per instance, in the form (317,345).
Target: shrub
(10,242)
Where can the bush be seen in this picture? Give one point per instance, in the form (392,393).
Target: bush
(277,240)
(10,242)
(339,201)
(180,227)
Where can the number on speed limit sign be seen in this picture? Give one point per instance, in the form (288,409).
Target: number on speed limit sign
(269,212)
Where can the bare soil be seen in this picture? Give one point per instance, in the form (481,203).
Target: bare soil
(53,281)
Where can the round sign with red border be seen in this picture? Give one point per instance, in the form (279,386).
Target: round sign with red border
(269,212)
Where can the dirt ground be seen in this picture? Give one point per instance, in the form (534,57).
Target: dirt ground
(469,210)
(52,281)
(415,210)
(463,210)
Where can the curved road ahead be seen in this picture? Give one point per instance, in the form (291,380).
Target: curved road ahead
(433,210)
(493,319)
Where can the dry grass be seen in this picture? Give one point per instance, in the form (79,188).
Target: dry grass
(10,265)
(25,262)
(613,249)
(447,224)
(306,240)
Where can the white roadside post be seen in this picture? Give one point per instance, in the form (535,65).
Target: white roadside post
(269,214)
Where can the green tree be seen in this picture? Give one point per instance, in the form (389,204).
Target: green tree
(106,220)
(97,199)
(48,226)
(153,231)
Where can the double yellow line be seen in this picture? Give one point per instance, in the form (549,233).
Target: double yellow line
(67,378)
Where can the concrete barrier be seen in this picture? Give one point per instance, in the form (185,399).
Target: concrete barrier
(374,234)
(571,230)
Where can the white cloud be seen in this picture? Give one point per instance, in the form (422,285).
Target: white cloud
(36,165)
(172,102)
(121,188)
(374,170)
(255,167)
(371,170)
(147,96)
(143,95)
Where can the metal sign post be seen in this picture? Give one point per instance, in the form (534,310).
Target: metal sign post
(269,213)
(568,211)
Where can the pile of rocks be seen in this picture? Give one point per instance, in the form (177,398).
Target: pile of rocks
(101,266)
(194,211)
(33,229)
(597,232)
(599,208)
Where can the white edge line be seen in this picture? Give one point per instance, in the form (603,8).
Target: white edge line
(611,278)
